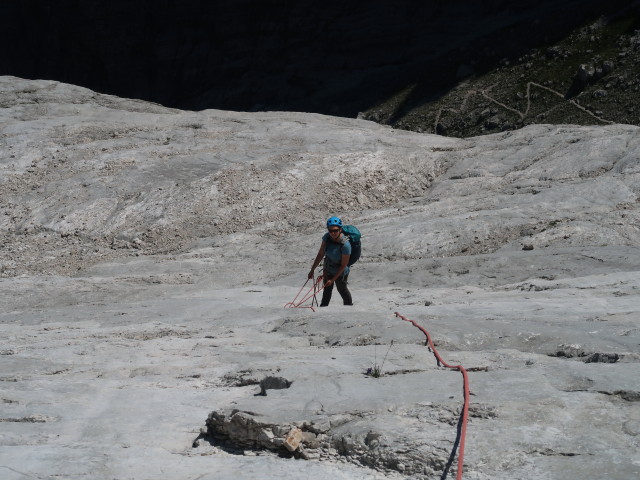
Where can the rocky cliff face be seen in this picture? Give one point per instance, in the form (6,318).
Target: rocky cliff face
(330,57)
(591,77)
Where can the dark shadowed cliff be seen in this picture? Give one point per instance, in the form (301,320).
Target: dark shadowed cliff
(332,57)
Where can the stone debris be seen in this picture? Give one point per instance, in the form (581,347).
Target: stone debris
(334,439)
(293,440)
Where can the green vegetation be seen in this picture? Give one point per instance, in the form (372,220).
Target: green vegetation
(376,370)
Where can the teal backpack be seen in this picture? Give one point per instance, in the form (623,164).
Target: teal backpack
(354,238)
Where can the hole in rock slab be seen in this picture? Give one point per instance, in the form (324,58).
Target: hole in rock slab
(577,351)
(568,351)
(273,383)
(345,436)
(240,431)
(265,378)
(628,395)
(602,358)
(240,379)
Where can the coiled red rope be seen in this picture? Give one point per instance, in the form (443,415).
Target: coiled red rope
(465,386)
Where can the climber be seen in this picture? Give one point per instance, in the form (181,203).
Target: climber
(336,250)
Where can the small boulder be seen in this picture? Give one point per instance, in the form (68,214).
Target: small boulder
(293,439)
(585,73)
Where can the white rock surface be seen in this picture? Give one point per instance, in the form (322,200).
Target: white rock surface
(147,254)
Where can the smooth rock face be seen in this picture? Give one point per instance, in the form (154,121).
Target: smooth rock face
(147,254)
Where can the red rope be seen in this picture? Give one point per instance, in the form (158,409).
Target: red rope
(313,291)
(293,302)
(465,386)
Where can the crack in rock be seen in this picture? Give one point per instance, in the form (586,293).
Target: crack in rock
(627,395)
(549,452)
(36,418)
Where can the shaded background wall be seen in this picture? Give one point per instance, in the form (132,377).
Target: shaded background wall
(334,57)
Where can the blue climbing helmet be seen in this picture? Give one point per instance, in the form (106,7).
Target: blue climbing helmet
(335,222)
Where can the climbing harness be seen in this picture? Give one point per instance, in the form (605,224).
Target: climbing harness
(465,387)
(316,287)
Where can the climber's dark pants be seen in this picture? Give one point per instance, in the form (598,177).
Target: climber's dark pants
(343,290)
